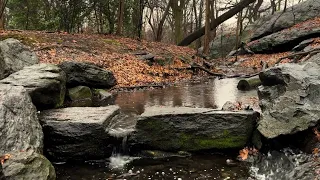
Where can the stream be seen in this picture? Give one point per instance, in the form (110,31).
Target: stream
(209,93)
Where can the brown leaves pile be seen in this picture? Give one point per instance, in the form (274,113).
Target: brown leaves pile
(4,158)
(111,52)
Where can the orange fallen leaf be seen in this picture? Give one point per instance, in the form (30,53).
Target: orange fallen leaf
(243,154)
(4,158)
(317,133)
(315,151)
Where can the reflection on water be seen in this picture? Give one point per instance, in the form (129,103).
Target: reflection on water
(210,93)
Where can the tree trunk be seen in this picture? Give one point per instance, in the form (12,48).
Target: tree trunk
(163,19)
(207,29)
(177,11)
(120,17)
(3,4)
(227,15)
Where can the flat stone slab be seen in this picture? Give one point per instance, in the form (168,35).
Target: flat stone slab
(193,129)
(77,133)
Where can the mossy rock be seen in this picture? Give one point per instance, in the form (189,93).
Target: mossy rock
(193,129)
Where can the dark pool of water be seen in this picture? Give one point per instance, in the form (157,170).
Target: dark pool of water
(195,167)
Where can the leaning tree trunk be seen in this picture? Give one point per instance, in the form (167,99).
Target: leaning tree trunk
(199,33)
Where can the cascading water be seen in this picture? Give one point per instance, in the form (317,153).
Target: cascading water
(120,130)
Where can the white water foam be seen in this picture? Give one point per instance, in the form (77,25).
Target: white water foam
(118,162)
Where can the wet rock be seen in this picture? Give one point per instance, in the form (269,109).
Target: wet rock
(289,99)
(80,96)
(229,106)
(19,126)
(283,40)
(193,129)
(44,82)
(77,133)
(14,56)
(29,166)
(102,97)
(282,20)
(86,74)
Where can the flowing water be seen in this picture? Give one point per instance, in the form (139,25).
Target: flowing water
(210,93)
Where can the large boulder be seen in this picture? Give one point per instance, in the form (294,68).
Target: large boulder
(77,133)
(284,40)
(87,74)
(14,56)
(27,165)
(46,84)
(289,99)
(193,129)
(282,20)
(20,129)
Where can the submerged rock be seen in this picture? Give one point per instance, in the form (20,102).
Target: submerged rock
(14,56)
(193,129)
(289,99)
(46,84)
(102,97)
(85,74)
(80,96)
(20,129)
(77,133)
(27,165)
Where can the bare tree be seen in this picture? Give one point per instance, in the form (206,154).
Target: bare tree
(227,15)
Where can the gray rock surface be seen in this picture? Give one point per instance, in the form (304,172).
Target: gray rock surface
(283,40)
(44,82)
(282,20)
(14,56)
(193,129)
(86,74)
(28,166)
(19,126)
(77,133)
(289,99)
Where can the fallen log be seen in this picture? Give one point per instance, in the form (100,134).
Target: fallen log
(249,83)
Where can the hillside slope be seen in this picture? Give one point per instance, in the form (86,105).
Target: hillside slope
(118,54)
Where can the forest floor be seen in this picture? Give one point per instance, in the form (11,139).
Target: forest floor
(122,56)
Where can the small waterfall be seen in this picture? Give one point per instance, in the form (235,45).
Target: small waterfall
(285,165)
(121,128)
